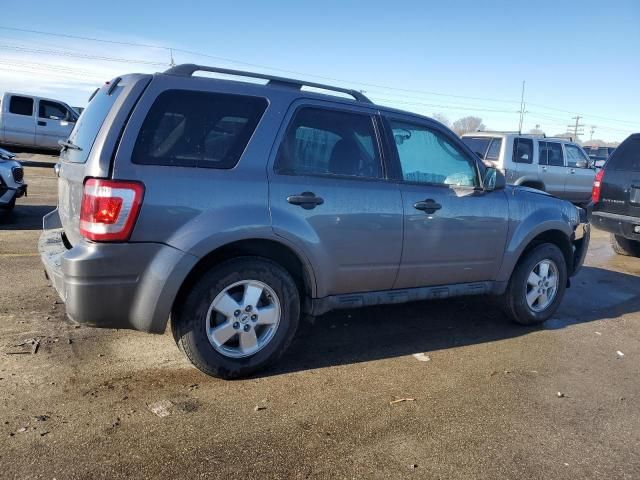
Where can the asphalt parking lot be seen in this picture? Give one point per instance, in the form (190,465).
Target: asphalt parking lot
(446,389)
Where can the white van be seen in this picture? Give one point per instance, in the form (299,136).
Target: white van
(36,122)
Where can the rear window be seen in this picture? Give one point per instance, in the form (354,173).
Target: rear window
(626,156)
(494,149)
(197,129)
(477,144)
(89,124)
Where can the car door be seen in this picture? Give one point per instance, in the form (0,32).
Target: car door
(579,181)
(18,121)
(523,170)
(552,168)
(330,198)
(454,231)
(55,122)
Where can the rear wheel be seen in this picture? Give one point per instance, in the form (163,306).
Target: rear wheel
(238,318)
(624,246)
(537,285)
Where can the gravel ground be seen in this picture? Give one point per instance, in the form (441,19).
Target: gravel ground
(482,398)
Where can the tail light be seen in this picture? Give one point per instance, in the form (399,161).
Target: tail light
(597,186)
(109,209)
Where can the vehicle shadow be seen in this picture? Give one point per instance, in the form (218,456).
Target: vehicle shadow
(24,217)
(375,333)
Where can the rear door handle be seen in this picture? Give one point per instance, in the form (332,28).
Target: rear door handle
(544,169)
(427,206)
(306,200)
(41,123)
(573,170)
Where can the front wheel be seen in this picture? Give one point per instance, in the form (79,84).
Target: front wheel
(238,318)
(537,285)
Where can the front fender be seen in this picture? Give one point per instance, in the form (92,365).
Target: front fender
(531,215)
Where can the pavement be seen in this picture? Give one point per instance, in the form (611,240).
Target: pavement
(445,389)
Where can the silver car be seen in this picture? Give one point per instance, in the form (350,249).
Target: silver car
(12,184)
(555,165)
(237,208)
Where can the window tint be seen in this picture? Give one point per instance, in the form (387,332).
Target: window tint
(197,129)
(21,105)
(52,110)
(550,154)
(626,156)
(522,150)
(328,142)
(427,156)
(494,149)
(477,144)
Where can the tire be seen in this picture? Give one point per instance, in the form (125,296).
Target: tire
(8,208)
(196,318)
(515,300)
(624,246)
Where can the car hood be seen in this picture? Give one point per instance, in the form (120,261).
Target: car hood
(6,154)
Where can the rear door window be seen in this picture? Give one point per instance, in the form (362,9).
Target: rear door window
(522,150)
(197,129)
(321,141)
(550,153)
(626,156)
(21,105)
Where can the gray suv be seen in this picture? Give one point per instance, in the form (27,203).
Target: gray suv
(236,208)
(555,165)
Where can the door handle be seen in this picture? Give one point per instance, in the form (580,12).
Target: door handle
(41,123)
(306,200)
(544,169)
(56,169)
(427,206)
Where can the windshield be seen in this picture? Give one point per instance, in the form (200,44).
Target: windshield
(89,124)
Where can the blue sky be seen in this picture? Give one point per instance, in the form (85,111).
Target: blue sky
(454,58)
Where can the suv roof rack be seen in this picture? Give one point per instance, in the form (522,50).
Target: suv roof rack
(188,69)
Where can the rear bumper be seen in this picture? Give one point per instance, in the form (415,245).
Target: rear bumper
(118,285)
(622,225)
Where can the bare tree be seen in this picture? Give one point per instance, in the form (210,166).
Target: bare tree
(442,118)
(468,124)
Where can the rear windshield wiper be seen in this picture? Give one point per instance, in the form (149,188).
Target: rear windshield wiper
(69,144)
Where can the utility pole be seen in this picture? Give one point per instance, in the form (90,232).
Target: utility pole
(522,112)
(172,63)
(591,132)
(577,127)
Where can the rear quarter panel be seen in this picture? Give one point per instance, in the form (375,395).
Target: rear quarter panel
(200,209)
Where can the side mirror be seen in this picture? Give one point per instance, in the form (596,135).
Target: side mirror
(493,180)
(582,164)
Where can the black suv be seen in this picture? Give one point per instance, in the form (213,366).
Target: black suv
(616,197)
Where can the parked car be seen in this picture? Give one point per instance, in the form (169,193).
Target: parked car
(237,208)
(36,122)
(599,155)
(555,165)
(12,184)
(616,197)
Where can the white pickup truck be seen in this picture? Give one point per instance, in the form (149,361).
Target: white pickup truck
(35,122)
